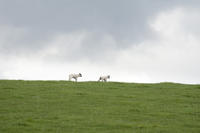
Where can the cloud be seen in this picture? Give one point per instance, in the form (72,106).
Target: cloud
(141,42)
(124,21)
(79,45)
(172,55)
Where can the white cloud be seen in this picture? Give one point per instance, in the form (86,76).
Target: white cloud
(172,56)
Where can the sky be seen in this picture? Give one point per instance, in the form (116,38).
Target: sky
(145,41)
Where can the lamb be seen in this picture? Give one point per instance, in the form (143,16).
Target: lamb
(104,78)
(74,76)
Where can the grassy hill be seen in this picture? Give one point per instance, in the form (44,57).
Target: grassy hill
(94,107)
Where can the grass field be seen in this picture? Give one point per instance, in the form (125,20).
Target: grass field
(94,107)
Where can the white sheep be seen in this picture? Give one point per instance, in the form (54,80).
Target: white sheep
(74,76)
(104,78)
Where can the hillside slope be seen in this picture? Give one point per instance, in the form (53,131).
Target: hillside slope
(94,107)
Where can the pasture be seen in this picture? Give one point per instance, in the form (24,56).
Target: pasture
(97,107)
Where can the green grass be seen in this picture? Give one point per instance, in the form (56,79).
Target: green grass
(94,107)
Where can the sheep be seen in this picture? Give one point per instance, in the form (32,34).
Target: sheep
(74,76)
(104,78)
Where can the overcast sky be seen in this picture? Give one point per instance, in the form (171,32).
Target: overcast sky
(131,40)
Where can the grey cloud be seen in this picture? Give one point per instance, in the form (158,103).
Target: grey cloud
(125,21)
(119,18)
(41,38)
